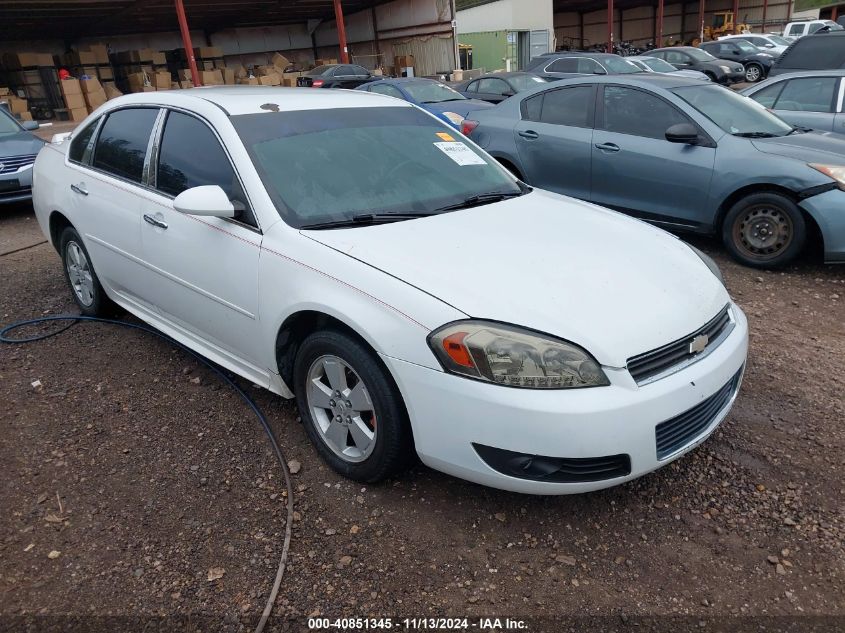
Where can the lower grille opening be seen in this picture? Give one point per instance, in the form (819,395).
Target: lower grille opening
(554,469)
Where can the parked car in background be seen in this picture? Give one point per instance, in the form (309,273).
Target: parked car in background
(433,96)
(18,149)
(757,63)
(766,42)
(692,58)
(808,27)
(678,152)
(564,64)
(812,99)
(824,51)
(336,76)
(339,248)
(657,65)
(496,87)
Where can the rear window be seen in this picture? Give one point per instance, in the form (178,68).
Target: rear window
(815,52)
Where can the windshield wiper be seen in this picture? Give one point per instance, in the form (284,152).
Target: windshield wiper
(365,219)
(755,134)
(483,198)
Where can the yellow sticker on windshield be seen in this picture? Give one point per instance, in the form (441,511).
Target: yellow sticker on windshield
(445,136)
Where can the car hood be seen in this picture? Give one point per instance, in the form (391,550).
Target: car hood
(715,65)
(19,144)
(812,147)
(614,285)
(462,107)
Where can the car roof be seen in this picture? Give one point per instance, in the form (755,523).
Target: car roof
(666,81)
(673,48)
(596,54)
(236,100)
(407,80)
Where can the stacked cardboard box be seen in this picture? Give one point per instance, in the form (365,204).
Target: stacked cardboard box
(325,62)
(111,90)
(211,77)
(161,80)
(17,106)
(74,99)
(16,61)
(93,92)
(403,65)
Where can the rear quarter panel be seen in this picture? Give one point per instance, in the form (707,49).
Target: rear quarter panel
(51,184)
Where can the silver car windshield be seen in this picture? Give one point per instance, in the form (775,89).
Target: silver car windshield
(336,165)
(8,126)
(735,114)
(699,55)
(431,92)
(658,65)
(619,66)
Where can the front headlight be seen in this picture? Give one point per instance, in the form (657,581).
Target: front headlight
(725,69)
(837,172)
(511,356)
(457,119)
(708,261)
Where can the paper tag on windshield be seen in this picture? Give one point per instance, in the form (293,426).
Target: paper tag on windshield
(460,153)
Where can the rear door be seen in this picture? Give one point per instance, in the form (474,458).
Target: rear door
(554,139)
(203,271)
(634,167)
(809,101)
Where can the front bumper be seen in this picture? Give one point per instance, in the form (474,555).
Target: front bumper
(733,78)
(828,210)
(449,414)
(17,186)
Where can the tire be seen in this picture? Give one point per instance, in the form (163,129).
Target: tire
(340,426)
(764,230)
(81,277)
(712,76)
(754,73)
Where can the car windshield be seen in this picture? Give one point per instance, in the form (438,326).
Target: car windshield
(619,66)
(524,82)
(733,113)
(335,165)
(318,70)
(777,39)
(746,47)
(658,65)
(8,125)
(431,92)
(699,55)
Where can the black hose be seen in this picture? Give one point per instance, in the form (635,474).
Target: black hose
(74,319)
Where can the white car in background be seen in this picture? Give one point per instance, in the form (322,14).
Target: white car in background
(808,27)
(354,252)
(774,44)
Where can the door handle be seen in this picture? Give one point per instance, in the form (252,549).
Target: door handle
(151,220)
(80,189)
(607,147)
(531,135)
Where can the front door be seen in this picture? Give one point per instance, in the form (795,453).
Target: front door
(636,169)
(202,271)
(554,139)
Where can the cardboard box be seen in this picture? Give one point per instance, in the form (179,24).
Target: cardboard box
(204,52)
(280,61)
(90,85)
(95,99)
(106,73)
(291,76)
(101,53)
(14,61)
(205,65)
(289,82)
(260,71)
(184,84)
(325,62)
(219,64)
(457,75)
(239,70)
(70,87)
(161,80)
(185,74)
(273,79)
(111,90)
(74,101)
(25,116)
(137,81)
(249,81)
(158,58)
(403,61)
(77,114)
(16,104)
(80,58)
(211,77)
(228,76)
(4,91)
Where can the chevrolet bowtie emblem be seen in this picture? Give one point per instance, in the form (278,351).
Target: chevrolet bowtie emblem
(698,343)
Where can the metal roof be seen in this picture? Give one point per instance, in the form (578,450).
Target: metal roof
(74,19)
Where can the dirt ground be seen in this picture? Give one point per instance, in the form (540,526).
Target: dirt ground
(129,476)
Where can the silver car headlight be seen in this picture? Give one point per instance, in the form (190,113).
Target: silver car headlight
(726,69)
(837,172)
(708,261)
(515,357)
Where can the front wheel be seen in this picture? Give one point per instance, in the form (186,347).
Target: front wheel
(764,230)
(352,411)
(753,73)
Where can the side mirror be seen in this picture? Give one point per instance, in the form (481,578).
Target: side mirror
(208,200)
(30,125)
(682,133)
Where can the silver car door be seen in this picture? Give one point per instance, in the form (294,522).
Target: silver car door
(809,102)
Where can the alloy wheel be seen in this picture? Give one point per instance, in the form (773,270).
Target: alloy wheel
(79,273)
(752,73)
(763,232)
(342,408)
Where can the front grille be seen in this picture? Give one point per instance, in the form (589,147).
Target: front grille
(13,163)
(15,193)
(554,469)
(672,435)
(657,361)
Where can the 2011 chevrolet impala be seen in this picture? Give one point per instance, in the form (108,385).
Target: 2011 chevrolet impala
(356,253)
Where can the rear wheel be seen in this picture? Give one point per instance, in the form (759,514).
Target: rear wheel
(352,411)
(753,73)
(79,272)
(764,230)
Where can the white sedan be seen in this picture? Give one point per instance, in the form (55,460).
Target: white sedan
(352,251)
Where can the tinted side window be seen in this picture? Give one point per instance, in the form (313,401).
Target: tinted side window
(674,57)
(472,87)
(768,95)
(359,70)
(122,143)
(569,106)
(808,94)
(589,66)
(796,29)
(638,113)
(567,65)
(190,156)
(532,108)
(493,86)
(80,141)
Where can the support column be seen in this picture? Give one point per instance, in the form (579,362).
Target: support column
(658,38)
(581,29)
(736,16)
(186,42)
(341,32)
(609,26)
(765,10)
(701,20)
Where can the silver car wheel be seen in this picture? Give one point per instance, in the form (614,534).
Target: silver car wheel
(342,408)
(79,273)
(752,73)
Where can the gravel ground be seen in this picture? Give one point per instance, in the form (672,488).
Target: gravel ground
(133,484)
